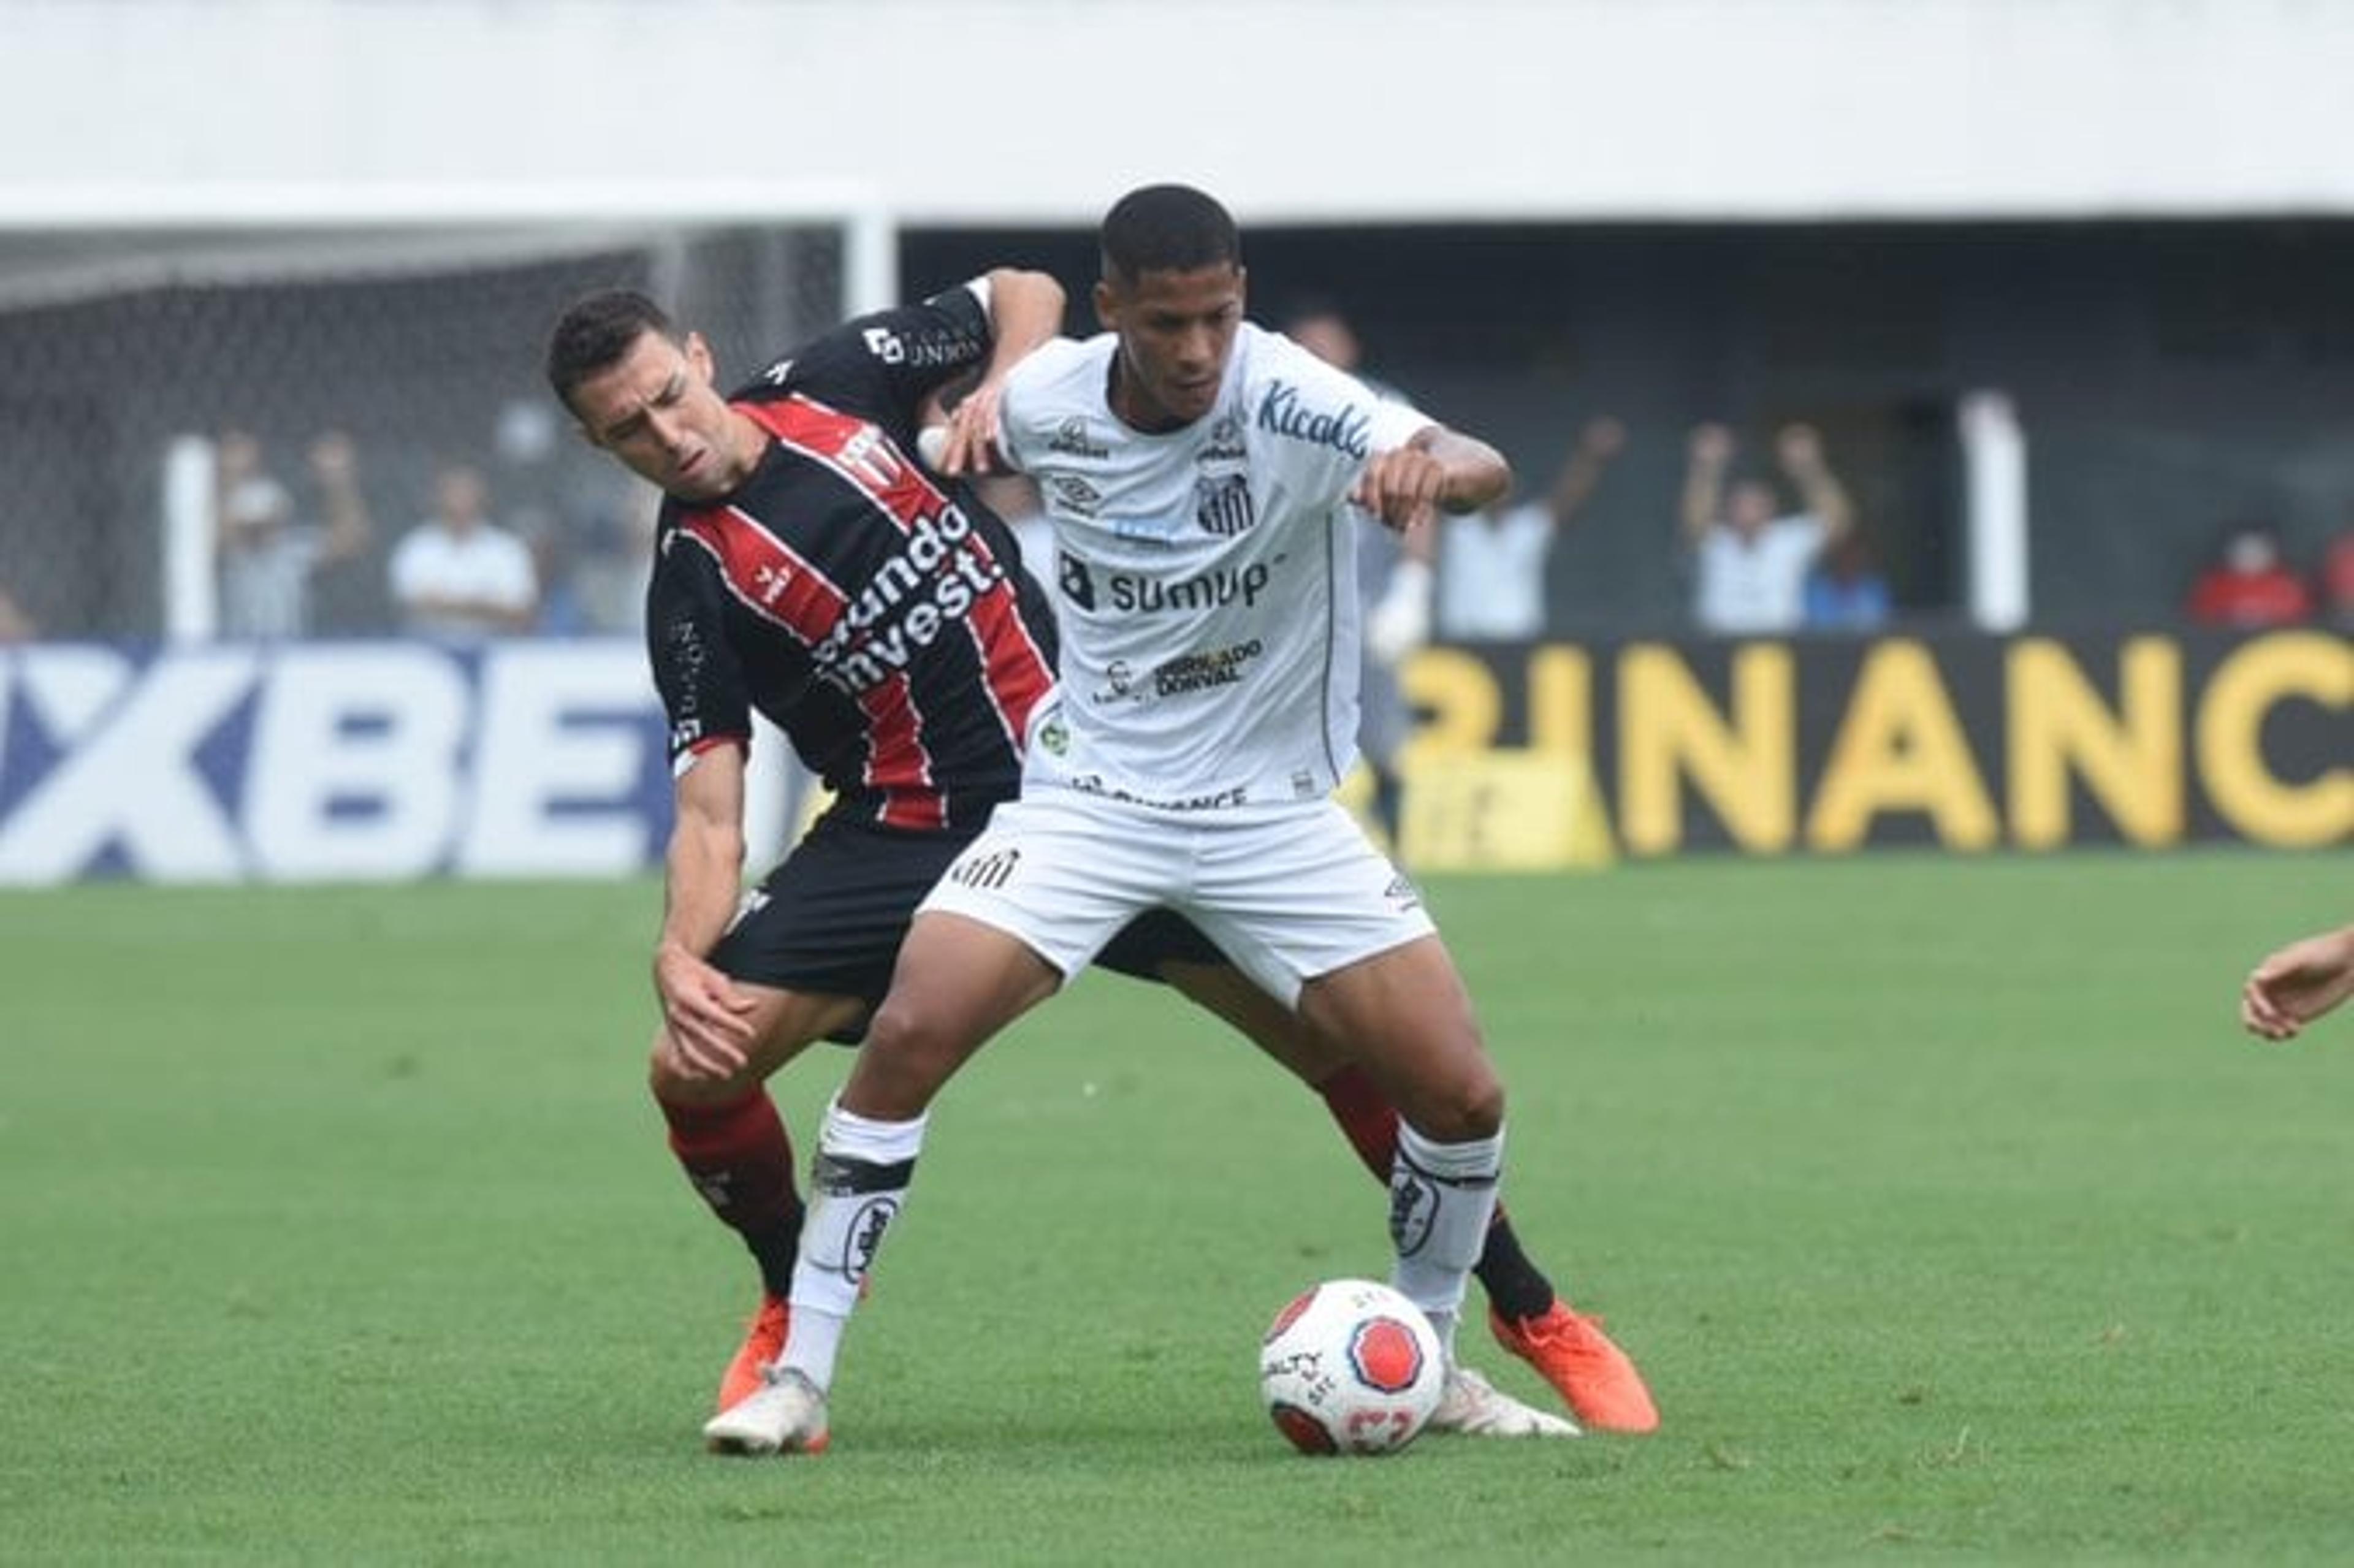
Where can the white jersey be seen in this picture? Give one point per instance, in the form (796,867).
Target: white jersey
(1205,579)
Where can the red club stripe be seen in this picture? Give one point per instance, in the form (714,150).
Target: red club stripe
(1014,671)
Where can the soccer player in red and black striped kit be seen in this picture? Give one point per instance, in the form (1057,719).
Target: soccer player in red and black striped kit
(810,567)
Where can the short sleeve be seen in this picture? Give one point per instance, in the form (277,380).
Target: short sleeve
(695,668)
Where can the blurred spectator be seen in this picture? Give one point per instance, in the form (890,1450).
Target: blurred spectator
(2248,583)
(1394,587)
(1847,591)
(1750,563)
(457,573)
(267,558)
(2338,576)
(590,536)
(1491,564)
(16,625)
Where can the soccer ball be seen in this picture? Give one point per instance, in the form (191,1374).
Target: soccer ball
(1351,1367)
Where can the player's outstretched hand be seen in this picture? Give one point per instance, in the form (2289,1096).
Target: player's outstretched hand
(710,1027)
(2297,984)
(1403,487)
(966,443)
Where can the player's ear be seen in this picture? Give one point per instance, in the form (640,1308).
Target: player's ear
(699,357)
(1106,300)
(1241,288)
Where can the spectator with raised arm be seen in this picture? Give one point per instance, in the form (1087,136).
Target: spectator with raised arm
(1491,562)
(268,558)
(1750,559)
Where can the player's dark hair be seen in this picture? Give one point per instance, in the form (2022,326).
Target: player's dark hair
(1168,228)
(595,333)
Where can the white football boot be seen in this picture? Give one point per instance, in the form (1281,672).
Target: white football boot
(1477,1408)
(785,1416)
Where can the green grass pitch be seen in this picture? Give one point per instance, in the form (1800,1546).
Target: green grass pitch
(1949,1214)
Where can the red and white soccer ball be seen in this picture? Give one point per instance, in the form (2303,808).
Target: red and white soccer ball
(1351,1367)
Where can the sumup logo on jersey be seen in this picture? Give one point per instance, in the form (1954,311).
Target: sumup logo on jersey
(1212,589)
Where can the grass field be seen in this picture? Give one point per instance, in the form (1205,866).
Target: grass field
(1949,1214)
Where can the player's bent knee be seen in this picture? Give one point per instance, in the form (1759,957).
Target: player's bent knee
(1463,1109)
(672,1086)
(910,1054)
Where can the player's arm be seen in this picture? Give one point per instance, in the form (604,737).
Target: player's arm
(703,695)
(1025,310)
(2297,984)
(705,869)
(1437,469)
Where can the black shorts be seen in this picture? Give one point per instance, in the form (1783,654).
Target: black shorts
(830,916)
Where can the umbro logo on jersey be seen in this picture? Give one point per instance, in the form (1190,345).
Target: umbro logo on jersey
(1074,494)
(992,870)
(1223,506)
(1072,439)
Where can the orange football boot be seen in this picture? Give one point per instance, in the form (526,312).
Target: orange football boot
(1592,1375)
(764,1342)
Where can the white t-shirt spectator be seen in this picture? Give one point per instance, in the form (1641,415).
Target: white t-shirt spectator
(1492,575)
(1750,586)
(487,567)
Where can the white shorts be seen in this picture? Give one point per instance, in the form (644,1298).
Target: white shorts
(1288,893)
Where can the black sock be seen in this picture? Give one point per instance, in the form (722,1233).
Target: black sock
(1516,1287)
(773,1249)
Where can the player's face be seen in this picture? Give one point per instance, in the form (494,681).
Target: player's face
(1176,331)
(657,412)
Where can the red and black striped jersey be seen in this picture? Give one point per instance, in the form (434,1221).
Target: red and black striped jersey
(875,613)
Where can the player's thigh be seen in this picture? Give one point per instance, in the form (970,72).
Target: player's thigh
(1300,895)
(958,983)
(1406,1017)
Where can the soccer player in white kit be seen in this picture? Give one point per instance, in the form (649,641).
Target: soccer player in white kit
(1196,470)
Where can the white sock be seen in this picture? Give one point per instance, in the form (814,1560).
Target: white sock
(1441,1197)
(858,1182)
